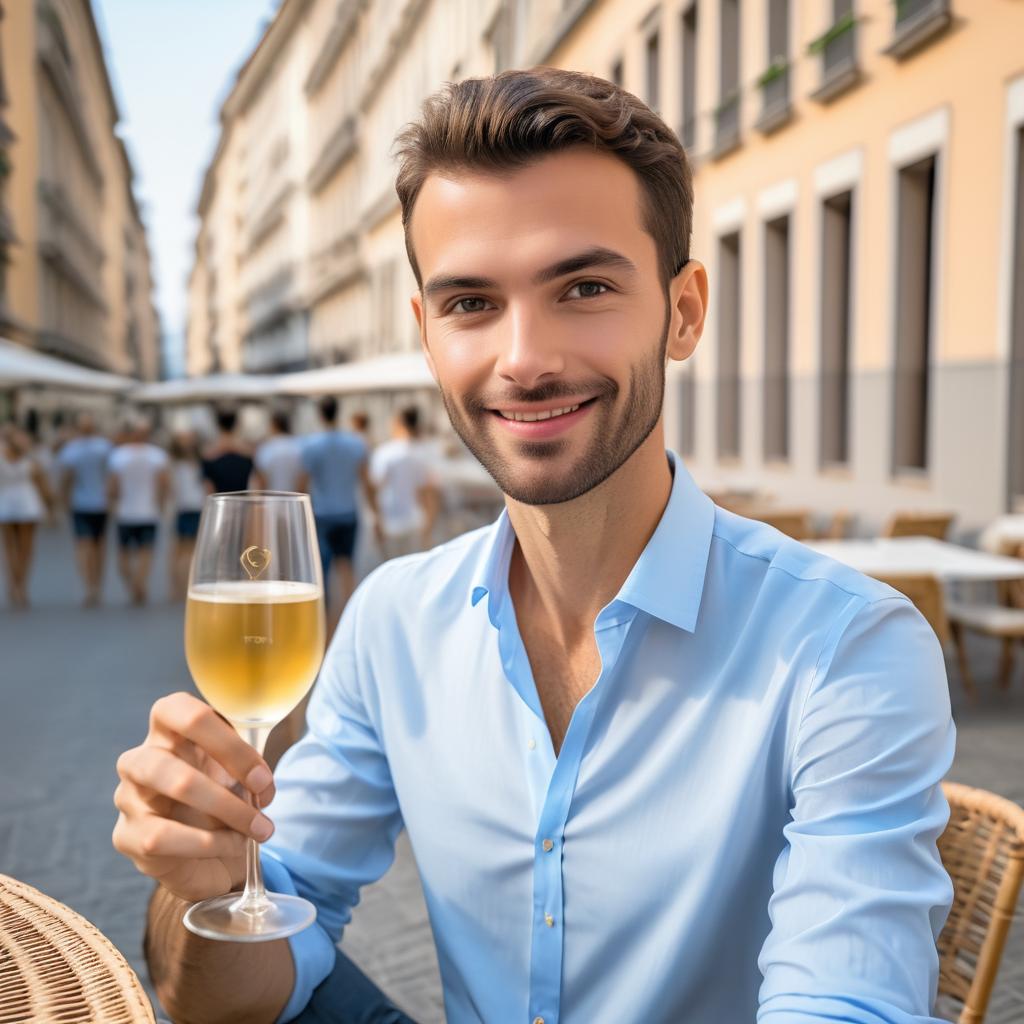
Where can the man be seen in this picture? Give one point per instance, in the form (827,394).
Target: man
(83,464)
(227,461)
(659,763)
(407,497)
(334,463)
(138,487)
(277,465)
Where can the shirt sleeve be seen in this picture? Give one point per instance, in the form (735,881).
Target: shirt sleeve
(335,812)
(860,893)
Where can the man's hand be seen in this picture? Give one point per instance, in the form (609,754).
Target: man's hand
(183,815)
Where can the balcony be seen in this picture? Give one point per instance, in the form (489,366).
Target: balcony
(918,22)
(776,108)
(838,51)
(335,266)
(339,147)
(727,126)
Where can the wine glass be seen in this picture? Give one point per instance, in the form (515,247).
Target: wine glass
(254,639)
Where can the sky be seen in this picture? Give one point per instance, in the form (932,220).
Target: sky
(171,63)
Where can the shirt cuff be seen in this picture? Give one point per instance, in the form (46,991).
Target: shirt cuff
(312,949)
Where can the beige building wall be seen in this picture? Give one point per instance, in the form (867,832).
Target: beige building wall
(856,184)
(79,283)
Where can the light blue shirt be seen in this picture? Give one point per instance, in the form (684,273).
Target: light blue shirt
(741,821)
(332,459)
(87,458)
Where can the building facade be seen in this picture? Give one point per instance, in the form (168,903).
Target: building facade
(859,179)
(77,280)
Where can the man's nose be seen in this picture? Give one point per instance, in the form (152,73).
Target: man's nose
(530,349)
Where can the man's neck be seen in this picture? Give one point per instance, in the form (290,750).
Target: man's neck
(571,559)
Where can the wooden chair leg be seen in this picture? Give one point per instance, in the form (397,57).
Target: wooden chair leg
(1006,663)
(961,656)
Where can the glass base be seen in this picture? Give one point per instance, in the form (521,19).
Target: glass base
(223,918)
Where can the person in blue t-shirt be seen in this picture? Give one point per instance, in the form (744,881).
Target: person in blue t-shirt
(83,464)
(334,466)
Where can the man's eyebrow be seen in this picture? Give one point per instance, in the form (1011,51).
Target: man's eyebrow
(598,256)
(595,257)
(446,282)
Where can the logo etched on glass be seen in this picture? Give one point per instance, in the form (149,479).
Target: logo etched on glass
(255,560)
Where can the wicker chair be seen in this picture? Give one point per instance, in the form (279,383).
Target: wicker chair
(983,851)
(927,595)
(919,524)
(794,523)
(56,968)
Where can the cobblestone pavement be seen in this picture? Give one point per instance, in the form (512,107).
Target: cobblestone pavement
(77,686)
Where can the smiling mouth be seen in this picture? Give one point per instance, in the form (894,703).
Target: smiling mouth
(547,414)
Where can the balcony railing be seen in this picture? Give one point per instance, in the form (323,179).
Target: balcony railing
(776,108)
(917,22)
(727,125)
(838,51)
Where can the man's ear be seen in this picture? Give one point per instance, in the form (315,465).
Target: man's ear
(688,298)
(416,301)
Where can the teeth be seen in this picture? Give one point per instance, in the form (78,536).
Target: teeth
(532,417)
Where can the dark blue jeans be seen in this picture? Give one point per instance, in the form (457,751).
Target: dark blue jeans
(347,996)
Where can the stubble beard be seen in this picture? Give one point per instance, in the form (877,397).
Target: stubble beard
(613,440)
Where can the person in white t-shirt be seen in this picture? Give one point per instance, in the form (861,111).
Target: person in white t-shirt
(139,486)
(406,488)
(188,489)
(277,465)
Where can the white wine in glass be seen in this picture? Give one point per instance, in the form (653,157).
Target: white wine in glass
(254,639)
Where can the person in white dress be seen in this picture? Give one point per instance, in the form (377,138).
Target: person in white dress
(277,465)
(188,490)
(24,499)
(406,489)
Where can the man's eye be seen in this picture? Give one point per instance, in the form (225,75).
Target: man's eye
(470,305)
(587,290)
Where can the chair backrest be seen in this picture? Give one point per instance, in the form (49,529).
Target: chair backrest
(839,527)
(795,523)
(982,848)
(919,524)
(926,592)
(1011,592)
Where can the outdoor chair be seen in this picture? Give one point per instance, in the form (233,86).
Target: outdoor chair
(55,966)
(795,523)
(919,524)
(1003,620)
(982,848)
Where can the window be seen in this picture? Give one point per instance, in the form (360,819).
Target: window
(917,22)
(727,114)
(1016,425)
(688,132)
(776,339)
(838,50)
(914,257)
(618,76)
(836,268)
(774,81)
(653,55)
(729,295)
(687,410)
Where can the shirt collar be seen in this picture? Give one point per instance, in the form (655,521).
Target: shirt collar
(667,580)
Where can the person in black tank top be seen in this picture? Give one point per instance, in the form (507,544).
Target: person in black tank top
(228,463)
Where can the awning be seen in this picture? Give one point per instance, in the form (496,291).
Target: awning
(216,387)
(403,371)
(22,367)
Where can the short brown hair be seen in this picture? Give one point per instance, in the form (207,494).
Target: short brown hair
(501,123)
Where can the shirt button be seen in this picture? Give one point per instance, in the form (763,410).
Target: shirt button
(548,845)
(538,1020)
(532,744)
(549,920)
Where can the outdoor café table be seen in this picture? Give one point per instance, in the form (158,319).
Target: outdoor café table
(889,556)
(56,967)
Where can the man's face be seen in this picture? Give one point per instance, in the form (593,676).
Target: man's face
(544,319)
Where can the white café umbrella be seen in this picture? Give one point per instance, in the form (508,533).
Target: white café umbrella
(399,371)
(214,387)
(21,367)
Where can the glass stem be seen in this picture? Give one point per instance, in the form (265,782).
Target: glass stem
(254,897)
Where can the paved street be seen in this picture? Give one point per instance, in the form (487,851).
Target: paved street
(77,686)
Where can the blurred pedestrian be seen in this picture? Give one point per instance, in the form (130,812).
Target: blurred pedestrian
(188,491)
(277,464)
(24,498)
(360,423)
(406,489)
(138,487)
(83,464)
(335,464)
(227,462)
